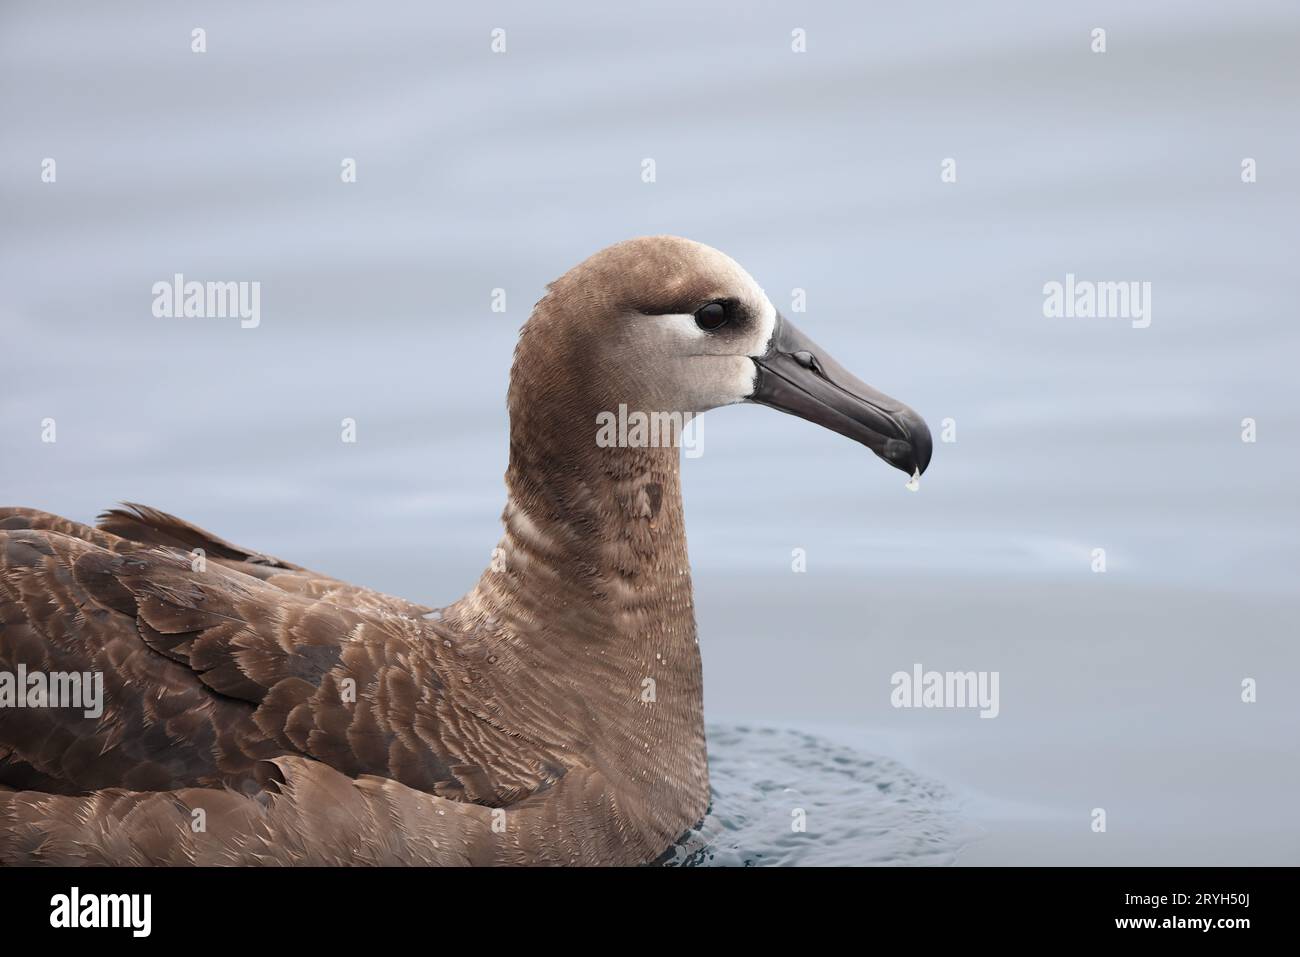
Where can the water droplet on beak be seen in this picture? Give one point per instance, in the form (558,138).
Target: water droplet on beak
(914,482)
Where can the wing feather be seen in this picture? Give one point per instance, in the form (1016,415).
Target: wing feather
(209,670)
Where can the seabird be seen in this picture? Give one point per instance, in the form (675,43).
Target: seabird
(257,712)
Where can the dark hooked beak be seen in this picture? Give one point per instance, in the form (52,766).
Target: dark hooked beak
(798,376)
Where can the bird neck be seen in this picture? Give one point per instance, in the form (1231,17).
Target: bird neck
(588,594)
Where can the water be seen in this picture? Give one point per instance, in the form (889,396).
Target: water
(858,809)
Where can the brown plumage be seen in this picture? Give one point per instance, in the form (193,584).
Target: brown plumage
(257,712)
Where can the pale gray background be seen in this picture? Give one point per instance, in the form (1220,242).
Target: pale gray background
(819,171)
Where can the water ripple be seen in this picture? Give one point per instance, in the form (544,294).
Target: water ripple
(858,808)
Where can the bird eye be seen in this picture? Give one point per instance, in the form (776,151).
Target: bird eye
(710,317)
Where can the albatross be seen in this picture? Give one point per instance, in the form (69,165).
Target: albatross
(257,712)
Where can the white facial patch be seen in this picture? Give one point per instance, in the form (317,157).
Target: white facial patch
(674,365)
(740,285)
(722,371)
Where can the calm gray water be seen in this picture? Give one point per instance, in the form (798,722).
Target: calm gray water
(818,171)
